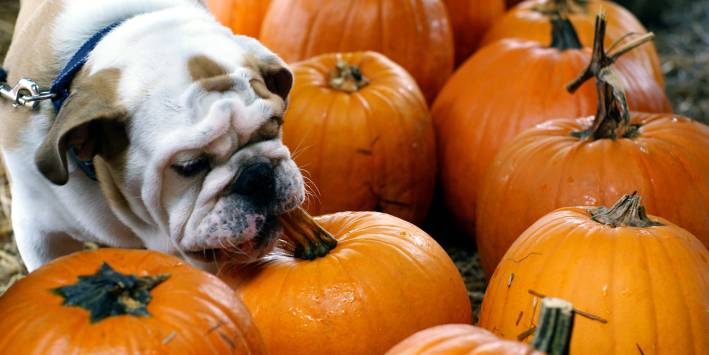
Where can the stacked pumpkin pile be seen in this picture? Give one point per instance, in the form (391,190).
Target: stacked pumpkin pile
(512,146)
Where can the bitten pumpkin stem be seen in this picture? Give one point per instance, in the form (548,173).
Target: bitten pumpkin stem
(627,212)
(555,325)
(311,240)
(613,116)
(110,293)
(347,78)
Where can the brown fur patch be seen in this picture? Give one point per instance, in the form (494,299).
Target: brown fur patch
(209,74)
(30,55)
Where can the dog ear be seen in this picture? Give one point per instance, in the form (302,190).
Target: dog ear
(276,75)
(90,120)
(278,79)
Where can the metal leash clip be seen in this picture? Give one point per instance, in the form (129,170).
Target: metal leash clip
(26,93)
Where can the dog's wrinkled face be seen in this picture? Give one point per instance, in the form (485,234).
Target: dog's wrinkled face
(188,144)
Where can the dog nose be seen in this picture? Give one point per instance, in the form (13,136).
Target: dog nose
(256,182)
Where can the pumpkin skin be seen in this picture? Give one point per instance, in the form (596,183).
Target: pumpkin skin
(459,339)
(650,284)
(523,22)
(502,90)
(385,280)
(470,19)
(192,312)
(402,30)
(244,17)
(668,150)
(372,149)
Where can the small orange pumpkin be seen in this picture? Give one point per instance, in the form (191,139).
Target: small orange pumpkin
(553,334)
(528,20)
(124,302)
(415,34)
(384,280)
(641,281)
(360,129)
(510,86)
(244,17)
(592,160)
(470,19)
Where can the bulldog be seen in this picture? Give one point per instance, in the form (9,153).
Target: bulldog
(169,137)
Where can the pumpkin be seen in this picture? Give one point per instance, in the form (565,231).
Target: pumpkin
(641,281)
(552,336)
(470,19)
(244,17)
(384,280)
(124,302)
(508,87)
(593,160)
(529,21)
(414,33)
(361,130)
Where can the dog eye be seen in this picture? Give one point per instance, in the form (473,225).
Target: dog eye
(192,167)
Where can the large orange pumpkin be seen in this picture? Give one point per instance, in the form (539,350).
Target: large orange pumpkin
(112,301)
(642,281)
(593,160)
(528,20)
(244,17)
(556,319)
(414,33)
(385,280)
(470,19)
(361,131)
(508,87)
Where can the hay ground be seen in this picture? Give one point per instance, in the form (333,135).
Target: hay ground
(683,44)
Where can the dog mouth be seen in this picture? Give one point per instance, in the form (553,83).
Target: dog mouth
(244,251)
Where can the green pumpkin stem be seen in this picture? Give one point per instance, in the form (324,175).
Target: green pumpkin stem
(109,293)
(311,240)
(347,78)
(554,327)
(612,119)
(627,212)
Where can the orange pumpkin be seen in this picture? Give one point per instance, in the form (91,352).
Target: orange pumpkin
(361,131)
(414,33)
(590,161)
(529,21)
(552,337)
(244,17)
(124,302)
(508,87)
(384,280)
(470,19)
(642,281)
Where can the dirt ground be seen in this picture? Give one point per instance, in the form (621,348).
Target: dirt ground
(683,43)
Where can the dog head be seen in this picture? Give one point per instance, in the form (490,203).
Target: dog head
(182,120)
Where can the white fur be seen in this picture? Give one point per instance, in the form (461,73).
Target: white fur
(172,118)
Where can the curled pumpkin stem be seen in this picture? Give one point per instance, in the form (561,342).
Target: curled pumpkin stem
(311,240)
(347,78)
(627,212)
(613,116)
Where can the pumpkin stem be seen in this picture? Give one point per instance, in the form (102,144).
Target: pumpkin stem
(563,33)
(311,240)
(109,293)
(627,212)
(347,78)
(612,119)
(555,325)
